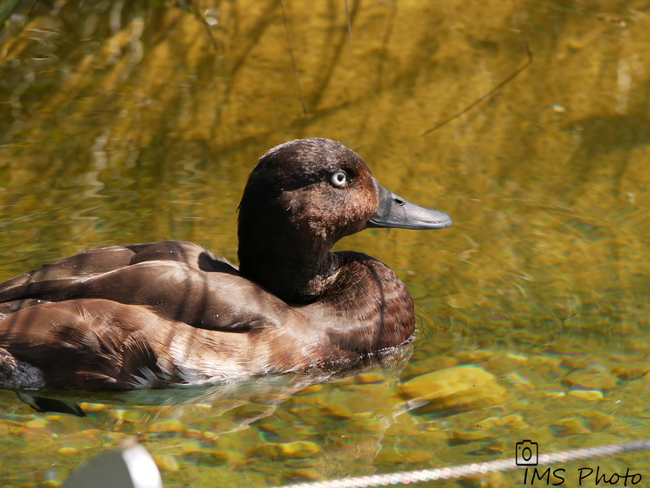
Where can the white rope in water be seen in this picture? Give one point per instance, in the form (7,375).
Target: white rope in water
(454,472)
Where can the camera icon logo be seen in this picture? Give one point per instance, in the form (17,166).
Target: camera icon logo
(526,453)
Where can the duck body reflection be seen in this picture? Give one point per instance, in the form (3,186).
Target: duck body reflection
(149,315)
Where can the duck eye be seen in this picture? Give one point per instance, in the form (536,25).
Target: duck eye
(339,179)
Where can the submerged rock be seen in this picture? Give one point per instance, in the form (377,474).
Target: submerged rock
(286,450)
(590,380)
(166,462)
(171,425)
(458,389)
(568,426)
(589,395)
(631,370)
(597,421)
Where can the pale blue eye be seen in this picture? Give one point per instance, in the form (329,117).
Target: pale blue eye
(339,179)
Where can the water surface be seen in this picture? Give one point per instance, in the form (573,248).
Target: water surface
(125,122)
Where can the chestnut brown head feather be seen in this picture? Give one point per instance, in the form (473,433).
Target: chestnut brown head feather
(291,214)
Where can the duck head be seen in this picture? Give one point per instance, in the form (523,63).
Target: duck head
(301,198)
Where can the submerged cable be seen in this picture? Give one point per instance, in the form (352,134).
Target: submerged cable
(465,470)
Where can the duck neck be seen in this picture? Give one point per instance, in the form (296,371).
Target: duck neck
(294,271)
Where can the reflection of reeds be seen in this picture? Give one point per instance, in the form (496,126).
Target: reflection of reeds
(133,121)
(489,94)
(293,59)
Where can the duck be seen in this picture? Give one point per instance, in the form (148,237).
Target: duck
(173,313)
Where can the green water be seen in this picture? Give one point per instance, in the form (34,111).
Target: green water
(125,122)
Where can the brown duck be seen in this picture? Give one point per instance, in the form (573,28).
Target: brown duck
(148,315)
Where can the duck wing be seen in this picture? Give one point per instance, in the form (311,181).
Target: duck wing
(79,344)
(98,261)
(178,281)
(92,344)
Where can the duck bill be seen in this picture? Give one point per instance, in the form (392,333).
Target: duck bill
(394,211)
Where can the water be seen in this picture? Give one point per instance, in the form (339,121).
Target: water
(128,122)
